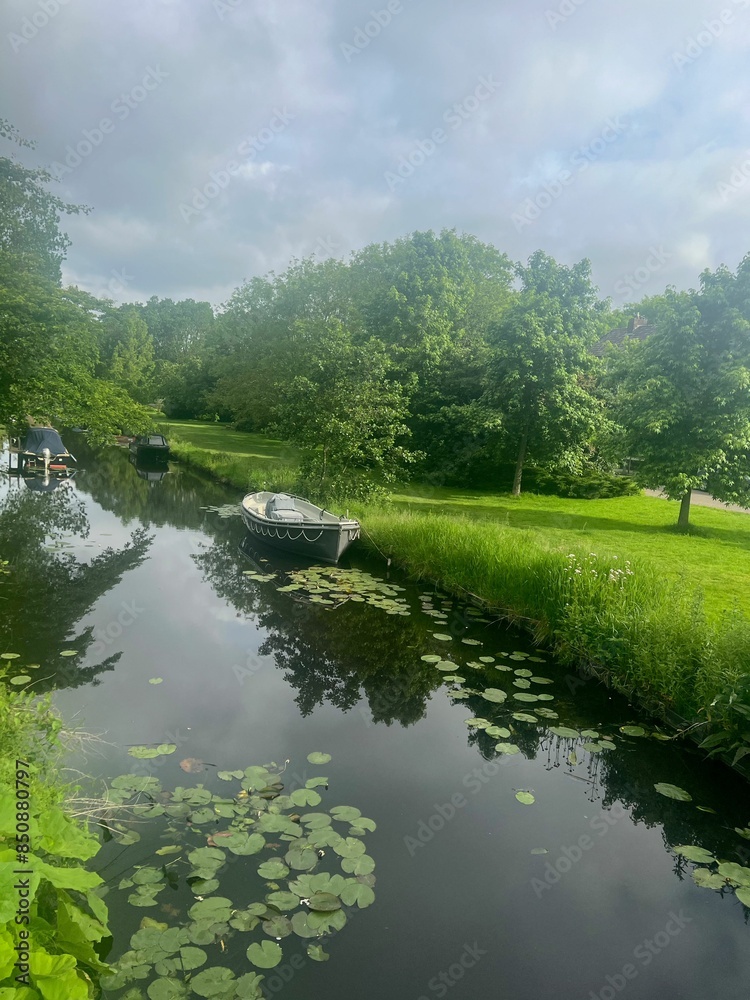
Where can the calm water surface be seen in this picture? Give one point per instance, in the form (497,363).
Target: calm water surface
(142,583)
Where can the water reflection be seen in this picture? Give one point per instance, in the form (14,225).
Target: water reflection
(49,589)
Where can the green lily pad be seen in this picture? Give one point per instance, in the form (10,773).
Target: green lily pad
(507,748)
(698,854)
(565,732)
(319,758)
(523,696)
(156,680)
(20,679)
(495,695)
(213,982)
(735,873)
(526,798)
(706,880)
(431,658)
(633,730)
(356,892)
(324,901)
(524,717)
(673,792)
(316,953)
(441,637)
(349,847)
(272,869)
(263,955)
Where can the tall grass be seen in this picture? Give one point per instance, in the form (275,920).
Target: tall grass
(651,637)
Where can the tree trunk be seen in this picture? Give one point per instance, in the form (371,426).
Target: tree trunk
(519,462)
(683,521)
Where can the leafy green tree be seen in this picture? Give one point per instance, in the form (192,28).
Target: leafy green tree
(682,396)
(541,376)
(178,329)
(49,355)
(345,413)
(131,364)
(30,214)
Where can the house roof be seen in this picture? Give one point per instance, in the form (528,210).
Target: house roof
(637,329)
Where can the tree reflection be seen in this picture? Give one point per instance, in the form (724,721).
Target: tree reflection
(48,591)
(337,656)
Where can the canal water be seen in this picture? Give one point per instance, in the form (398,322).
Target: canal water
(522,863)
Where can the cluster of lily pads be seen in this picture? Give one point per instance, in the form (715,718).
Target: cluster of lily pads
(311,868)
(21,679)
(224,510)
(715,874)
(332,587)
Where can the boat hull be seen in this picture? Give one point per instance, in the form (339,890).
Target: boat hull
(323,542)
(149,453)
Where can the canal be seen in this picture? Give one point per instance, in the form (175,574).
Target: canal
(484,822)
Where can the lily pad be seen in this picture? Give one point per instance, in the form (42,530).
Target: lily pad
(263,955)
(316,953)
(507,748)
(565,732)
(633,730)
(441,637)
(673,792)
(319,758)
(526,798)
(495,695)
(698,854)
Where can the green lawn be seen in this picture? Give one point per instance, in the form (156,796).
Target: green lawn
(220,438)
(714,556)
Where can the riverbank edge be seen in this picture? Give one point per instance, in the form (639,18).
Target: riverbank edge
(585,660)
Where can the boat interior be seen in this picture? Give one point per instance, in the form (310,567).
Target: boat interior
(286,508)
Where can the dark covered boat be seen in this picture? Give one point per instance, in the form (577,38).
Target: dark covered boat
(150,447)
(296,525)
(42,451)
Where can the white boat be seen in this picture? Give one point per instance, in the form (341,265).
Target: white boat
(294,524)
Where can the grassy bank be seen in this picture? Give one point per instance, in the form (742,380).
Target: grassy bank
(606,583)
(247,461)
(653,638)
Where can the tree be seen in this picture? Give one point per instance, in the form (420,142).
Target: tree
(49,355)
(131,362)
(682,396)
(345,412)
(540,378)
(30,214)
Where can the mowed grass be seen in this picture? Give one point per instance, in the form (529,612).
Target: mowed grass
(713,558)
(220,438)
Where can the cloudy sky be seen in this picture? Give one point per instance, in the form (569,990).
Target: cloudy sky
(215,140)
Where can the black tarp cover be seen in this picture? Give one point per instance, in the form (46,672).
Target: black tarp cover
(39,438)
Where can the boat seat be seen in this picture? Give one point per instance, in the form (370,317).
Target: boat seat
(282,508)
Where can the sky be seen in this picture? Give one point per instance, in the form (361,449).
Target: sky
(216,140)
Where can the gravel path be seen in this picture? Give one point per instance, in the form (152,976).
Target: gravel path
(701,499)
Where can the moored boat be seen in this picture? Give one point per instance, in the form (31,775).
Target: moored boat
(152,447)
(294,524)
(42,451)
